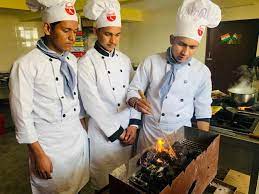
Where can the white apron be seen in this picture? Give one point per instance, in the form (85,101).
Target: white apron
(105,155)
(66,144)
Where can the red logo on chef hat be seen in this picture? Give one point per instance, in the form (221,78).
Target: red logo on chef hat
(70,9)
(201,30)
(111,16)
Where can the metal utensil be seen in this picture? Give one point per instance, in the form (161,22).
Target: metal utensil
(243,97)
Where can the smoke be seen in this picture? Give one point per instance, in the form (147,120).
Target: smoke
(246,77)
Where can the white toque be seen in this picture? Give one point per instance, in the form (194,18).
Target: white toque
(105,12)
(194,16)
(54,10)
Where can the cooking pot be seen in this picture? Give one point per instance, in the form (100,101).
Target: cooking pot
(243,96)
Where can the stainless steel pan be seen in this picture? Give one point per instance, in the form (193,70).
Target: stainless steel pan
(243,97)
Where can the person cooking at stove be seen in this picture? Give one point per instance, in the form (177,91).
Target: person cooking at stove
(177,86)
(45,104)
(104,74)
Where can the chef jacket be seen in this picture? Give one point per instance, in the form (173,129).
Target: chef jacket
(190,94)
(103,79)
(103,82)
(35,98)
(43,113)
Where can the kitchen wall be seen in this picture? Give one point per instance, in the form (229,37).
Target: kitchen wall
(16,37)
(139,39)
(152,35)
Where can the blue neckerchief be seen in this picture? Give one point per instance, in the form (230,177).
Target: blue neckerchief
(65,69)
(169,77)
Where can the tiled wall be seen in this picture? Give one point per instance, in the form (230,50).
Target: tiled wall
(16,36)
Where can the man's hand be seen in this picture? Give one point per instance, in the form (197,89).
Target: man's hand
(40,161)
(43,167)
(203,125)
(122,136)
(131,134)
(141,105)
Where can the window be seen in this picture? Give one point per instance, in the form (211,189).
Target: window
(27,36)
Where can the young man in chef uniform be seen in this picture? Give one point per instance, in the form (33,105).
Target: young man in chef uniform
(45,104)
(176,85)
(104,74)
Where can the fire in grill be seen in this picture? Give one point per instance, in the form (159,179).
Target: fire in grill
(159,166)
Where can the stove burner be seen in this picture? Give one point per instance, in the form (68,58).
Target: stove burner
(243,108)
(234,121)
(254,108)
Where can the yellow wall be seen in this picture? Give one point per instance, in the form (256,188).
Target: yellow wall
(241,13)
(10,44)
(152,35)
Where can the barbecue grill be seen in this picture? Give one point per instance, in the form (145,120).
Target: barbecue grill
(193,177)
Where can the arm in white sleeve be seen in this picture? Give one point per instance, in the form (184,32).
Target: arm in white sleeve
(202,98)
(135,116)
(21,101)
(140,80)
(93,103)
(82,113)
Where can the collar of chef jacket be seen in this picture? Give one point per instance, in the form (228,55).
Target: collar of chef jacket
(103,51)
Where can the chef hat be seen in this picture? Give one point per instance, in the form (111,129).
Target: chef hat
(54,10)
(194,16)
(105,12)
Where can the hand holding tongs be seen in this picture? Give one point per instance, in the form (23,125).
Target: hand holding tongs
(143,97)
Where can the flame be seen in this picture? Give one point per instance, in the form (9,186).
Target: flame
(160,147)
(242,108)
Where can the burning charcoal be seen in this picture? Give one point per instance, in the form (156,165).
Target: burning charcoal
(160,161)
(138,181)
(177,144)
(194,153)
(160,175)
(159,168)
(170,175)
(146,158)
(180,149)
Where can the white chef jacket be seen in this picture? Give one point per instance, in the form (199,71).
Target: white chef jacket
(189,94)
(41,112)
(103,80)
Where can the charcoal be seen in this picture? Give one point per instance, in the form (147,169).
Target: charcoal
(158,169)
